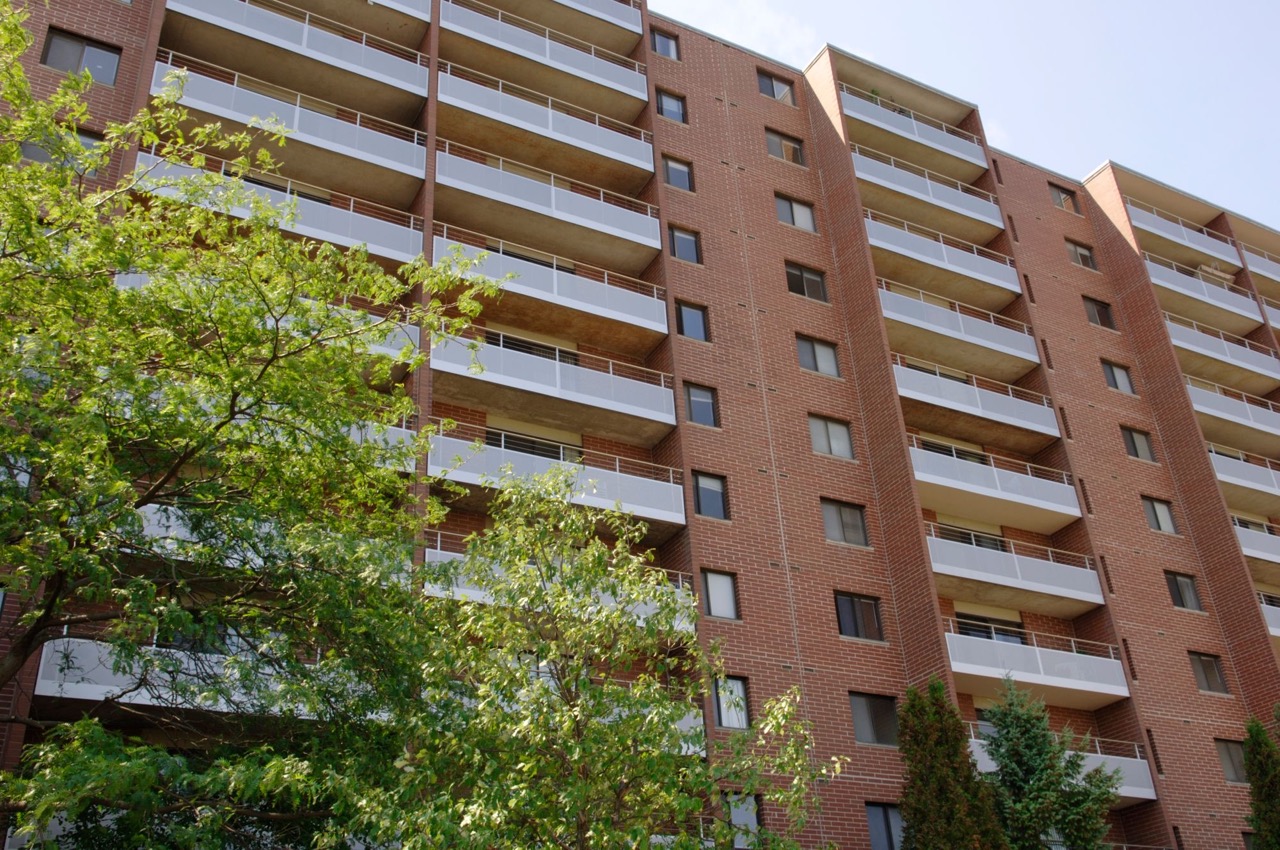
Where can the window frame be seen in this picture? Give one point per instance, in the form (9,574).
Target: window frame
(1183,590)
(1115,375)
(787,93)
(881,713)
(857,609)
(843,513)
(785,144)
(801,279)
(673,40)
(816,345)
(1231,757)
(708,597)
(1138,444)
(663,97)
(886,834)
(682,327)
(1099,313)
(1061,196)
(826,424)
(667,163)
(679,235)
(731,712)
(690,406)
(786,206)
(1201,664)
(85,44)
(698,499)
(1081,255)
(1159,513)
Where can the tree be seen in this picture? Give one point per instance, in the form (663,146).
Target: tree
(1042,790)
(1262,767)
(945,804)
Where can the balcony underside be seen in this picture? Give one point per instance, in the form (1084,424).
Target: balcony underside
(1238,433)
(939,217)
(404,22)
(1262,551)
(1242,496)
(954,499)
(1225,372)
(968,354)
(947,281)
(1162,245)
(936,418)
(974,574)
(614,32)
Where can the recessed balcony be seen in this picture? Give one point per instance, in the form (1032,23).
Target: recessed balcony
(941,264)
(611,24)
(1202,296)
(1262,263)
(554,386)
(933,328)
(939,400)
(1180,240)
(478,457)
(1012,574)
(933,144)
(1062,671)
(1234,418)
(551,294)
(1222,358)
(318,213)
(303,52)
(1260,543)
(917,194)
(1136,783)
(478,190)
(1271,613)
(1250,482)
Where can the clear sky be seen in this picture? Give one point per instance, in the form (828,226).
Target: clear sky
(1184,91)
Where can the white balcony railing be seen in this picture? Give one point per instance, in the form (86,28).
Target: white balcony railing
(976,396)
(990,474)
(1223,346)
(1127,757)
(1261,262)
(1244,469)
(1180,230)
(927,185)
(1258,540)
(967,554)
(1035,658)
(1270,611)
(1226,403)
(1202,286)
(956,320)
(903,121)
(938,249)
(623,13)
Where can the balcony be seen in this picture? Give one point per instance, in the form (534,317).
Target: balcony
(894,129)
(998,571)
(477,456)
(388,436)
(1204,297)
(1271,613)
(1222,358)
(1181,240)
(1260,543)
(1136,783)
(933,328)
(1262,263)
(611,24)
(317,213)
(304,52)
(1250,482)
(554,386)
(477,190)
(517,49)
(963,483)
(944,401)
(939,263)
(932,199)
(1234,418)
(1062,671)
(547,294)
(477,109)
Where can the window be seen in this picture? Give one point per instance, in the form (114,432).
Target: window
(685,245)
(807,282)
(1081,255)
(1182,590)
(665,44)
(990,628)
(691,321)
(795,213)
(731,703)
(830,437)
(720,590)
(672,106)
(875,719)
(1117,377)
(885,824)
(1064,199)
(700,405)
(74,54)
(771,86)
(784,147)
(64,149)
(1159,515)
(844,523)
(859,616)
(1208,672)
(745,818)
(1231,754)
(1099,312)
(677,173)
(709,496)
(1138,444)
(817,356)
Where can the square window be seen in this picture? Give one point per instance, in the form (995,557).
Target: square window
(772,87)
(691,321)
(885,824)
(731,703)
(1208,672)
(1099,313)
(677,173)
(685,244)
(795,213)
(810,283)
(1231,754)
(830,437)
(74,54)
(817,356)
(709,497)
(859,616)
(1117,377)
(875,719)
(1159,515)
(1138,444)
(1064,199)
(672,106)
(700,405)
(844,523)
(720,590)
(784,147)
(1182,590)
(1081,255)
(665,44)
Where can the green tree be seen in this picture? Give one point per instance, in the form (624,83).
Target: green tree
(1043,793)
(945,804)
(1262,767)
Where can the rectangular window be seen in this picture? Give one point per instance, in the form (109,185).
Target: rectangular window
(1159,515)
(709,497)
(70,151)
(744,815)
(808,282)
(74,54)
(1081,255)
(1208,672)
(1064,199)
(672,106)
(721,593)
(677,173)
(1099,313)
(885,824)
(1231,754)
(1182,590)
(1117,377)
(691,321)
(817,356)
(875,719)
(731,703)
(830,437)
(771,86)
(795,213)
(665,44)
(784,147)
(700,405)
(844,523)
(1138,444)
(685,244)
(859,616)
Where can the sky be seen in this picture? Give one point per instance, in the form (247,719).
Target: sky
(1185,92)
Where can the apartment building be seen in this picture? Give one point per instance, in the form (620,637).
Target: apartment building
(895,403)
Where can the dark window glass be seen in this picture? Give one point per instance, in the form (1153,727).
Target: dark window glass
(74,54)
(817,356)
(1138,444)
(885,824)
(858,616)
(1081,255)
(830,437)
(665,44)
(1064,199)
(875,719)
(709,497)
(795,213)
(700,405)
(1159,515)
(672,106)
(810,283)
(1182,590)
(1231,754)
(1208,672)
(691,321)
(685,245)
(1117,377)
(844,523)
(989,628)
(1099,313)
(784,147)
(677,173)
(772,87)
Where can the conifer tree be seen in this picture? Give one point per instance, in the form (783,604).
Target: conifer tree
(1262,767)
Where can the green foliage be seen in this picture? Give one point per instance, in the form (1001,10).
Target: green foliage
(944,802)
(1262,767)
